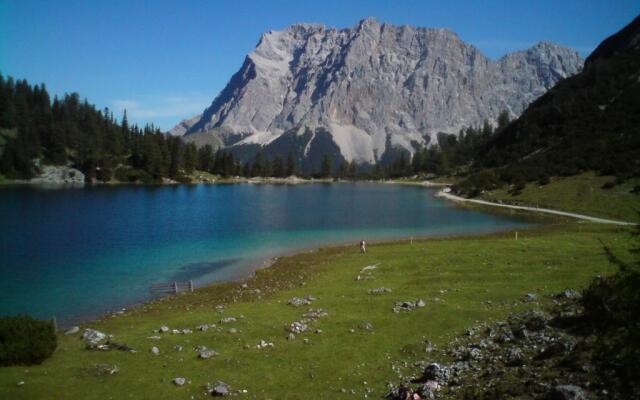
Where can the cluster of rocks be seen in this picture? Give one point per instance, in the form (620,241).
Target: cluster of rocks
(365,273)
(408,305)
(184,331)
(204,353)
(380,290)
(218,389)
(301,301)
(105,369)
(263,344)
(96,340)
(304,324)
(369,268)
(59,175)
(532,354)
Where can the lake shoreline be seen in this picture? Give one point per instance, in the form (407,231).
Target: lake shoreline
(251,267)
(261,254)
(291,180)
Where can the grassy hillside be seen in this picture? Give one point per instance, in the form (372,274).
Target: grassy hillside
(582,194)
(462,280)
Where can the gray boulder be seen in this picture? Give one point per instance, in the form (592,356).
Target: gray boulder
(72,331)
(567,392)
(179,381)
(206,354)
(93,337)
(219,389)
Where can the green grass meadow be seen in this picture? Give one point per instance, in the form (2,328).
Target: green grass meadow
(455,276)
(581,194)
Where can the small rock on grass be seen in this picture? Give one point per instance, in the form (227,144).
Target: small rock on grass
(379,290)
(155,351)
(93,337)
(205,354)
(219,389)
(72,331)
(105,369)
(179,381)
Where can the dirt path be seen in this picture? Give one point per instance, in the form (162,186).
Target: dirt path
(453,197)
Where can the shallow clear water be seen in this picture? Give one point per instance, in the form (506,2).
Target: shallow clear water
(75,253)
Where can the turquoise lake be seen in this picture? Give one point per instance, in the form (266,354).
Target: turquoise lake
(78,253)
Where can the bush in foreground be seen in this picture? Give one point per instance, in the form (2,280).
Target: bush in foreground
(25,340)
(611,311)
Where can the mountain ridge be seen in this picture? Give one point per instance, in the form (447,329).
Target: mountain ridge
(366,91)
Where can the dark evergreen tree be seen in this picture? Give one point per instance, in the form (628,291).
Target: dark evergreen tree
(292,168)
(325,167)
(278,167)
(190,158)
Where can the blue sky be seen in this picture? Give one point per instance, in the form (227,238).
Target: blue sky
(167,60)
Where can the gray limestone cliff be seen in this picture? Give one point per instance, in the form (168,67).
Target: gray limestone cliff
(360,92)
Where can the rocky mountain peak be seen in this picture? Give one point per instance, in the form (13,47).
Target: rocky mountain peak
(365,92)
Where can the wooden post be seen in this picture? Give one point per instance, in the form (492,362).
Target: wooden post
(412,240)
(54,322)
(516,235)
(190,285)
(175,287)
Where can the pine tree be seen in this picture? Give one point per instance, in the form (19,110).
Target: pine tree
(503,120)
(190,158)
(205,158)
(278,167)
(325,168)
(257,169)
(291,165)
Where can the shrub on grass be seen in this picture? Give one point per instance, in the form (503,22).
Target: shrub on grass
(608,185)
(611,307)
(26,340)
